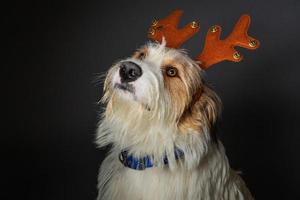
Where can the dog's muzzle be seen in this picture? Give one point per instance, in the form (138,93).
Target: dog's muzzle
(129,71)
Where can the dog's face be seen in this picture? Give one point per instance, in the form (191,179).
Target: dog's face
(158,84)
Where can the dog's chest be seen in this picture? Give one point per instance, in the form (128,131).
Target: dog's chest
(211,180)
(152,184)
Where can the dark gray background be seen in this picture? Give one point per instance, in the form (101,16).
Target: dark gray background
(56,49)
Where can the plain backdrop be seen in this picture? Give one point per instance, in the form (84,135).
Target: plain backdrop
(54,50)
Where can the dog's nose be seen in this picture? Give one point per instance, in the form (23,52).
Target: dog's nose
(130,71)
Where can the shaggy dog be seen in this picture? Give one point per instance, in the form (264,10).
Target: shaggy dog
(159,110)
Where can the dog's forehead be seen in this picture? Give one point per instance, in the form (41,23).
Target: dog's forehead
(162,50)
(160,53)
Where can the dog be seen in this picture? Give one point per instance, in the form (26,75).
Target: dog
(160,119)
(159,110)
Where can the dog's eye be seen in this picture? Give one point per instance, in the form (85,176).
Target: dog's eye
(171,71)
(141,55)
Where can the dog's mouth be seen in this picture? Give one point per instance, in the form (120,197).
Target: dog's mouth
(129,88)
(125,87)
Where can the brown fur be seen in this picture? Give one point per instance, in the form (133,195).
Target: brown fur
(197,105)
(203,110)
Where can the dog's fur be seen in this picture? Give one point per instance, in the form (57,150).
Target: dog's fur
(158,114)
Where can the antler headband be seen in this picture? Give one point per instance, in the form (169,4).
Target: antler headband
(215,50)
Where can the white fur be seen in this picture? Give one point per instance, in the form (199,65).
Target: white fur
(204,173)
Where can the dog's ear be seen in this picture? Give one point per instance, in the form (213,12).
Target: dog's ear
(203,112)
(210,106)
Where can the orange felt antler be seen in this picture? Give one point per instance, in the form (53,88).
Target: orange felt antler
(216,50)
(168,28)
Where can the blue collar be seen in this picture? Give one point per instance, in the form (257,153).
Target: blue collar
(141,163)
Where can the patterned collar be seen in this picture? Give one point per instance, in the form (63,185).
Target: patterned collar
(141,163)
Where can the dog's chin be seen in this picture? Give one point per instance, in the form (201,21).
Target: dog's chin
(125,88)
(127,92)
